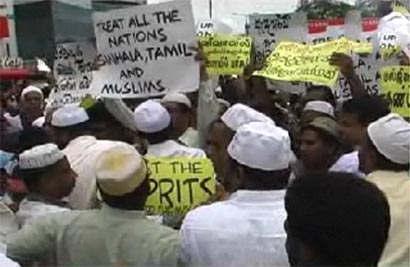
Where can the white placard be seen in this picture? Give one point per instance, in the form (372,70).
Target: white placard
(73,66)
(144,51)
(267,30)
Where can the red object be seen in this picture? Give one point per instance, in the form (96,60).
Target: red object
(317,25)
(4,27)
(15,74)
(370,24)
(336,22)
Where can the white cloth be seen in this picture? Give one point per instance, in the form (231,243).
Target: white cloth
(15,122)
(348,163)
(32,210)
(240,114)
(170,148)
(245,230)
(190,137)
(177,98)
(151,117)
(120,170)
(262,146)
(69,115)
(40,156)
(31,89)
(396,24)
(320,106)
(8,222)
(39,122)
(6,262)
(391,137)
(82,153)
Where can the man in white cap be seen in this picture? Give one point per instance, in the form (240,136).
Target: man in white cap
(116,235)
(315,109)
(30,106)
(49,178)
(153,122)
(247,229)
(385,158)
(180,108)
(221,132)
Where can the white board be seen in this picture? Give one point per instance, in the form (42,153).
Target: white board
(144,51)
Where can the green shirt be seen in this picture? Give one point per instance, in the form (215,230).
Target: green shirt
(106,237)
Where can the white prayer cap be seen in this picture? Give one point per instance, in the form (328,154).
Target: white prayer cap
(120,169)
(30,89)
(320,106)
(240,114)
(391,137)
(120,112)
(42,66)
(39,122)
(151,117)
(40,156)
(69,115)
(261,145)
(177,98)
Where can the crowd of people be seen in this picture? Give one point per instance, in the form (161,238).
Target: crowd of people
(301,180)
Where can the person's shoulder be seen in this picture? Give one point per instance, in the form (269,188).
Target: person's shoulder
(209,214)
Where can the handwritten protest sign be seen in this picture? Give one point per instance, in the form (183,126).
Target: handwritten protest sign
(11,62)
(73,66)
(268,30)
(204,28)
(178,184)
(226,54)
(310,63)
(144,51)
(395,88)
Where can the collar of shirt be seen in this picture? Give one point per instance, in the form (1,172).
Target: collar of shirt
(251,197)
(127,214)
(388,179)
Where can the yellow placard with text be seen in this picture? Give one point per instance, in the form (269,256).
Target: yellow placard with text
(179,184)
(292,61)
(395,88)
(226,54)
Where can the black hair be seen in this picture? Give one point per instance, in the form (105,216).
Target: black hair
(134,200)
(99,113)
(33,136)
(329,96)
(325,136)
(158,137)
(31,177)
(368,108)
(343,219)
(383,163)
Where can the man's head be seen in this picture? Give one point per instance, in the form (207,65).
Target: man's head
(321,93)
(240,114)
(33,136)
(179,107)
(357,113)
(259,157)
(153,121)
(110,119)
(319,143)
(31,104)
(315,109)
(122,177)
(46,171)
(68,123)
(335,219)
(386,146)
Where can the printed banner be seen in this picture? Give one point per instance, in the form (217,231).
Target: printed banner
(11,63)
(179,184)
(144,50)
(309,63)
(226,54)
(395,88)
(73,70)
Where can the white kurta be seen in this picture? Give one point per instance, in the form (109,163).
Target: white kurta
(245,230)
(82,153)
(348,163)
(31,210)
(171,148)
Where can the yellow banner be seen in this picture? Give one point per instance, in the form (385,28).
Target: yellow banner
(226,54)
(178,184)
(395,88)
(361,47)
(308,63)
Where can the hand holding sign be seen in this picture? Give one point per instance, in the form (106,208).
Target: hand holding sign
(343,62)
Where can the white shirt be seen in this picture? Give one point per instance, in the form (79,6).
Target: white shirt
(190,138)
(245,230)
(171,148)
(8,222)
(31,210)
(348,163)
(82,153)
